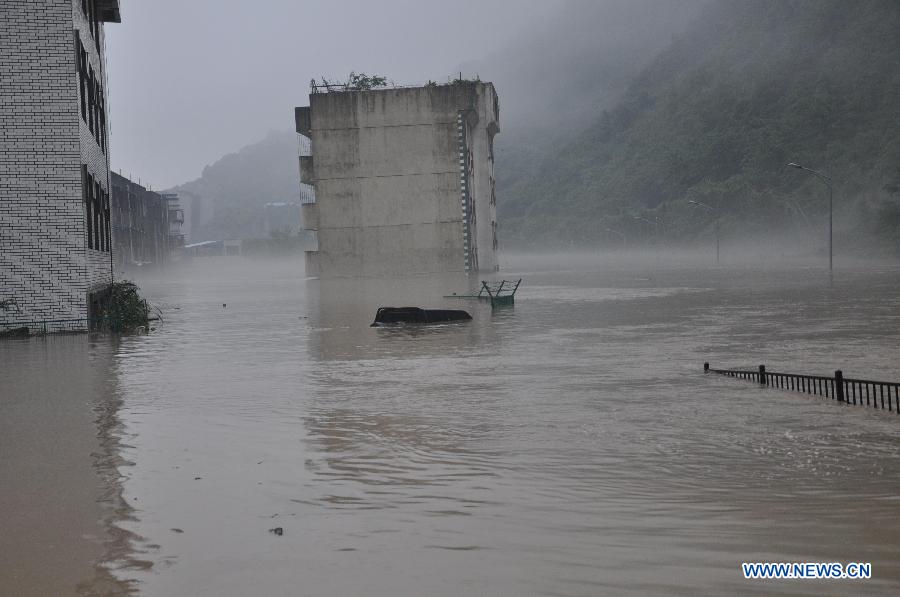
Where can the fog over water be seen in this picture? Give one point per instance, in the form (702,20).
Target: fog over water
(568,445)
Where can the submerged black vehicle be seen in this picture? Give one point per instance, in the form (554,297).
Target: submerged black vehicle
(391,315)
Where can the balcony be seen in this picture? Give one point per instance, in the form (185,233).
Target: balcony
(307,194)
(306,169)
(303,120)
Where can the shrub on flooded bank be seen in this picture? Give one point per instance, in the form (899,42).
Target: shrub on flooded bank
(116,308)
(125,310)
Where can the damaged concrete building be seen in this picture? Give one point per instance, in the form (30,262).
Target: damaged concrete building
(403,179)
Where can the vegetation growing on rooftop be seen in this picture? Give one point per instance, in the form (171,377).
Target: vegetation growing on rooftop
(355,82)
(362,81)
(463,81)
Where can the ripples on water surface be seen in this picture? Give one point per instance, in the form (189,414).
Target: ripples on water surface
(568,446)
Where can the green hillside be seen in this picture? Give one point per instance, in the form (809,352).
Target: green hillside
(752,85)
(233,191)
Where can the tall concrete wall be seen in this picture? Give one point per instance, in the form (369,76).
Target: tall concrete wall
(45,263)
(386,166)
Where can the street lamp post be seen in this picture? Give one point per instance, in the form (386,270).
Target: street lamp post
(716,210)
(828,183)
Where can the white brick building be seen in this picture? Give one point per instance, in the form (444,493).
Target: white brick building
(54,164)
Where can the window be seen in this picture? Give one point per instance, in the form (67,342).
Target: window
(81,61)
(89,8)
(102,120)
(87,195)
(107,222)
(97,212)
(95,199)
(93,98)
(98,215)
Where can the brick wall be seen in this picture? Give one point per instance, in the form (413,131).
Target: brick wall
(99,263)
(44,261)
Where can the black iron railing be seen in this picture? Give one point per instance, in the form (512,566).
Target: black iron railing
(877,394)
(42,327)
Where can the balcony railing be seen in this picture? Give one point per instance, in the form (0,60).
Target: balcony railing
(307,194)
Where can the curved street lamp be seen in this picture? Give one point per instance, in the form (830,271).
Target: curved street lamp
(712,209)
(828,182)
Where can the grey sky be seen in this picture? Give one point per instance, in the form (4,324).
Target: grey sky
(192,80)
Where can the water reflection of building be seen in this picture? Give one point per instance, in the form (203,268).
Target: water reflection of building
(383,400)
(60,485)
(341,311)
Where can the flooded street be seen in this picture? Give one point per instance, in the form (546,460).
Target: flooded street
(570,445)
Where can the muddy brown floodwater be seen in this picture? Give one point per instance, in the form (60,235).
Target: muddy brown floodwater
(570,445)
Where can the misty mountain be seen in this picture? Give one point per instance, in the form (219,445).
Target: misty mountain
(228,199)
(622,108)
(559,76)
(563,71)
(548,91)
(748,87)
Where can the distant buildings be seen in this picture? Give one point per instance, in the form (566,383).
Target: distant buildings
(146,226)
(282,218)
(176,222)
(215,248)
(55,229)
(403,179)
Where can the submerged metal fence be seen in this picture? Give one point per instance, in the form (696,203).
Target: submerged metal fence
(865,392)
(22,329)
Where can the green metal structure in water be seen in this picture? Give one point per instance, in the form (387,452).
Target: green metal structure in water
(499,293)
